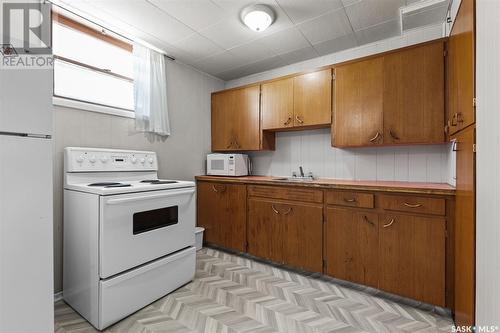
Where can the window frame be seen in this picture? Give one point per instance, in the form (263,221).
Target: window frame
(103,35)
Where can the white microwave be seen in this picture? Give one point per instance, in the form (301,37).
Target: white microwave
(228,165)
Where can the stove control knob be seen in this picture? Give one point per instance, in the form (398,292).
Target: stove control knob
(92,159)
(104,159)
(150,160)
(80,159)
(134,160)
(143,160)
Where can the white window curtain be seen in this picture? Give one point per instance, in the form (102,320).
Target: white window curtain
(150,91)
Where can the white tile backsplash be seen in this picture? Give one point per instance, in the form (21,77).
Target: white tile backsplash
(312,150)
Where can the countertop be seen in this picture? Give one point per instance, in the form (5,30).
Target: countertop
(384,186)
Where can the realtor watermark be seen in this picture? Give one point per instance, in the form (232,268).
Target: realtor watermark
(475,329)
(26,35)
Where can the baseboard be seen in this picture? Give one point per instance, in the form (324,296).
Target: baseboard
(58,296)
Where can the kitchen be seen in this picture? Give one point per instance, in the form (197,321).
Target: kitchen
(335,158)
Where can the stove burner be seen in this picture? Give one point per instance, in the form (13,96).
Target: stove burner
(109,184)
(118,185)
(158,182)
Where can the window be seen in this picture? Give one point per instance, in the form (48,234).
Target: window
(91,66)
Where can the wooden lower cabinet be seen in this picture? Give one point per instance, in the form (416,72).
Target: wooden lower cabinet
(465,229)
(222,212)
(352,245)
(412,256)
(286,232)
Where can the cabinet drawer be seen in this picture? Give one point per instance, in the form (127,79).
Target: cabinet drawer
(351,199)
(305,195)
(436,206)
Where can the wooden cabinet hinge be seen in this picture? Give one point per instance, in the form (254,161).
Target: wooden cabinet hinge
(474,102)
(445,53)
(474,148)
(333,76)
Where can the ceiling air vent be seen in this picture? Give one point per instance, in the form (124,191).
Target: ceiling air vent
(422,13)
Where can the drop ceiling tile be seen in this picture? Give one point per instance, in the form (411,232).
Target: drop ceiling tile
(251,52)
(370,12)
(218,63)
(285,41)
(377,32)
(329,26)
(146,17)
(298,12)
(336,45)
(256,67)
(197,14)
(299,55)
(198,46)
(229,33)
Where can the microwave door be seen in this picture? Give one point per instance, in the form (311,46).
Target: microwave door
(218,166)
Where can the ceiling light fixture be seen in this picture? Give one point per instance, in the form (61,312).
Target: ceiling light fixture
(257,17)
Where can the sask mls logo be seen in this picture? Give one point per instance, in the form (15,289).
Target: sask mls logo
(26,28)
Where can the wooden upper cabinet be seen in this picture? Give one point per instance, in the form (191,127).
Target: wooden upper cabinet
(277,104)
(300,101)
(460,69)
(412,256)
(312,98)
(236,120)
(414,95)
(358,112)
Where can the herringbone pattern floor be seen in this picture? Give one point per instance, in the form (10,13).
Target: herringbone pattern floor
(235,294)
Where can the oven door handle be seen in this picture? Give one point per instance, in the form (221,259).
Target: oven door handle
(170,193)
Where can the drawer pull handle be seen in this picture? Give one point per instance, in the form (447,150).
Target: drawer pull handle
(275,210)
(412,205)
(393,135)
(350,200)
(367,220)
(375,137)
(288,121)
(389,224)
(300,121)
(222,189)
(288,211)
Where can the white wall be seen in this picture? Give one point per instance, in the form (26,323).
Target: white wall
(181,156)
(313,151)
(488,162)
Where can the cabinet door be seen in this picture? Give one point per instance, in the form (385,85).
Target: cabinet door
(312,98)
(460,69)
(265,230)
(358,110)
(412,257)
(352,245)
(414,95)
(235,119)
(222,212)
(302,236)
(277,104)
(465,229)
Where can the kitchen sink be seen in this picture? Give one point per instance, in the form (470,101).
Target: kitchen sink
(294,179)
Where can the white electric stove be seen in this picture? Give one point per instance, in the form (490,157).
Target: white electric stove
(128,236)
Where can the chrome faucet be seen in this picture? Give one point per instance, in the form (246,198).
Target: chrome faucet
(302,175)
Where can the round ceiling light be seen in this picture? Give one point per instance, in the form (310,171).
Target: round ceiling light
(257,17)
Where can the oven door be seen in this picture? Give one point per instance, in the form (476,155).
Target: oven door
(139,227)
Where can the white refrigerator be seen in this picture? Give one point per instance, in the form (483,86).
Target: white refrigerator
(26,224)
